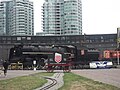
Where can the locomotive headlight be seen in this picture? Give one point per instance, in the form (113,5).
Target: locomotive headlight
(14,51)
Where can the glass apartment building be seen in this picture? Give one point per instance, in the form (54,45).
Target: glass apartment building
(16,17)
(62,17)
(3,16)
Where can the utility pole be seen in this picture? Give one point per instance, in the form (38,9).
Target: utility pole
(118,54)
(118,41)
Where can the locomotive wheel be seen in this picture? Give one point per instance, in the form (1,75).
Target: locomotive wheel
(49,69)
(67,69)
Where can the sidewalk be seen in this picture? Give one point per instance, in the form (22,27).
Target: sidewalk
(16,73)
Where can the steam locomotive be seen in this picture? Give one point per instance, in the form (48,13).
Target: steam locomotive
(38,56)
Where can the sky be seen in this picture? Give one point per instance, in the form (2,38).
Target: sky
(98,16)
(101,16)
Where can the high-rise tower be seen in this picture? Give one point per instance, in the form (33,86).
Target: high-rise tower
(62,17)
(3,20)
(17,17)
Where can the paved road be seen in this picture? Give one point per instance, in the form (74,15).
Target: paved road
(16,73)
(109,76)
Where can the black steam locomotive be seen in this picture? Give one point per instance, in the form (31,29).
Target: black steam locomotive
(39,56)
(51,57)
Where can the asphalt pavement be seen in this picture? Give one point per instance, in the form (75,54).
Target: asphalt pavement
(16,73)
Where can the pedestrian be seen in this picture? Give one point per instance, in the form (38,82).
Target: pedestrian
(5,65)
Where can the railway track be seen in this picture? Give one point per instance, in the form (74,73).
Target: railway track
(53,82)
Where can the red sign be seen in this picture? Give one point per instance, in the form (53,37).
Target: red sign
(58,57)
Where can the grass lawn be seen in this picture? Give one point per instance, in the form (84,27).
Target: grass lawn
(76,82)
(71,82)
(29,82)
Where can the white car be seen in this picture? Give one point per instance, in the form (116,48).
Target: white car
(101,64)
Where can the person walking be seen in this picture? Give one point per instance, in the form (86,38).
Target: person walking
(5,65)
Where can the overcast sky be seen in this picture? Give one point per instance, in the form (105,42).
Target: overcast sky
(99,16)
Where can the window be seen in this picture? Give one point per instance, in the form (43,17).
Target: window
(18,38)
(28,38)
